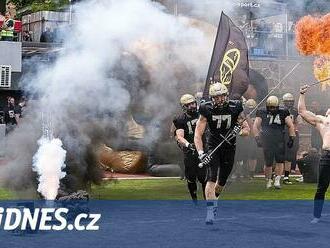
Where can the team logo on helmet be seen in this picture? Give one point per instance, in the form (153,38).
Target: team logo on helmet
(228,65)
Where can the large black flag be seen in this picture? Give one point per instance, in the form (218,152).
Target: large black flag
(229,63)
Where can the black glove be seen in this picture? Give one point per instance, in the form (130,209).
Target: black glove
(258,141)
(204,158)
(191,147)
(290,142)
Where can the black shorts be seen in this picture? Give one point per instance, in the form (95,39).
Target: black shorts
(274,149)
(221,166)
(191,169)
(291,153)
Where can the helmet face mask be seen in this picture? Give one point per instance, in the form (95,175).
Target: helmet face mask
(288,100)
(272,104)
(220,100)
(190,108)
(219,94)
(249,105)
(272,109)
(188,103)
(288,104)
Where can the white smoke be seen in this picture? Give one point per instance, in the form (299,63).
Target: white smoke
(81,92)
(48,162)
(79,82)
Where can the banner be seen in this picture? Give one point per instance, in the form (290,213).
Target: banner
(229,62)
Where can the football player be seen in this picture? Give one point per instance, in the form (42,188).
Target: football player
(221,115)
(185,129)
(268,130)
(290,153)
(251,147)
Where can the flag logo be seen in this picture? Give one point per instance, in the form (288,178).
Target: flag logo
(228,65)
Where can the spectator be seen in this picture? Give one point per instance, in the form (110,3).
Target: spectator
(11,8)
(308,165)
(7,28)
(2,18)
(47,36)
(12,113)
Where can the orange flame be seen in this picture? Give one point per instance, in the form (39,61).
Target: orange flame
(322,70)
(313,35)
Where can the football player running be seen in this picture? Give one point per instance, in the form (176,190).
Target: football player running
(290,153)
(185,129)
(268,129)
(222,116)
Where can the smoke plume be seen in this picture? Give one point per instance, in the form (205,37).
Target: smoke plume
(48,162)
(119,58)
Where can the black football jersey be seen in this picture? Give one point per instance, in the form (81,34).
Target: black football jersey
(188,124)
(272,123)
(221,120)
(293,114)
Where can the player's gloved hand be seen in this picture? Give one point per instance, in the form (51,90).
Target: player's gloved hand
(290,142)
(204,157)
(191,147)
(258,141)
(237,130)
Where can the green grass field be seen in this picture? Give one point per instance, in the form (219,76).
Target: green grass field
(175,189)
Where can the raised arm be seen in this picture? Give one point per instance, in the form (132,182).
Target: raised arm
(308,116)
(199,131)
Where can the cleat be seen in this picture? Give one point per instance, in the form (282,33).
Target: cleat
(210,214)
(315,220)
(269,183)
(277,183)
(209,218)
(287,181)
(300,179)
(209,222)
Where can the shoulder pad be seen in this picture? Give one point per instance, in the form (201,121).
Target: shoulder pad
(206,105)
(234,103)
(178,117)
(205,108)
(236,106)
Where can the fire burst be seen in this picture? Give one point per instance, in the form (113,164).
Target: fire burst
(313,38)
(322,70)
(313,35)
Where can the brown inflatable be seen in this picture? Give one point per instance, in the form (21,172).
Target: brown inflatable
(129,162)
